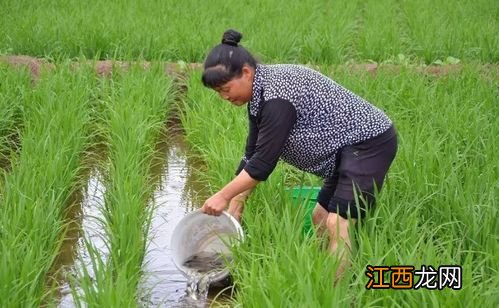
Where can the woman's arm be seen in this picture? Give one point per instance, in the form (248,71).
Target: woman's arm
(218,202)
(274,126)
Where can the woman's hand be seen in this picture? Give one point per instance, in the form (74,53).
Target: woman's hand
(215,204)
(236,207)
(241,185)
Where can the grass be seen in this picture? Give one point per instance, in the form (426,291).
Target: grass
(438,207)
(450,29)
(135,105)
(14,85)
(37,189)
(316,31)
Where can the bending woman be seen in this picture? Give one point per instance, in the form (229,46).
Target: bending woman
(308,120)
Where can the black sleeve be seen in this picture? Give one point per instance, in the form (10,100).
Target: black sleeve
(250,143)
(274,123)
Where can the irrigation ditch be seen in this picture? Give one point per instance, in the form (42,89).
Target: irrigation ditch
(175,192)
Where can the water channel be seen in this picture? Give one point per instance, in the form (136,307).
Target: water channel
(177,193)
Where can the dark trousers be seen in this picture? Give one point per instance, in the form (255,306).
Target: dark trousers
(360,172)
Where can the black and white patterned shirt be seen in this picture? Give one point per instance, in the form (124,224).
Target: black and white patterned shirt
(303,117)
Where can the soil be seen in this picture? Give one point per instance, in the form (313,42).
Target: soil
(105,68)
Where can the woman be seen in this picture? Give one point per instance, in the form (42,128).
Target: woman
(308,120)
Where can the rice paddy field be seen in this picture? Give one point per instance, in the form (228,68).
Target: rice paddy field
(432,67)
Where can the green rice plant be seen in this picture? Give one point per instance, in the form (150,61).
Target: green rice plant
(135,107)
(439,29)
(14,85)
(441,196)
(38,189)
(438,206)
(316,31)
(332,33)
(382,33)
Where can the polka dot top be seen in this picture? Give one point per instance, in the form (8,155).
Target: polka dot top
(303,117)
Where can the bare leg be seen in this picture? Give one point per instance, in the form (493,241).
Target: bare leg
(340,244)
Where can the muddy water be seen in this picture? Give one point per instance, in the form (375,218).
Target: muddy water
(90,229)
(177,193)
(205,262)
(166,284)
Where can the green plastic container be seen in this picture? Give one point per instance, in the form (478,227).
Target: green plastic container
(305,196)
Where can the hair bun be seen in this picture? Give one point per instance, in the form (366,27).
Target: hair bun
(231,37)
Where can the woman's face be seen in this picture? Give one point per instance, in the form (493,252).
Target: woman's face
(238,91)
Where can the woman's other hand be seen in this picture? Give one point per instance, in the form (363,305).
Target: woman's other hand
(236,207)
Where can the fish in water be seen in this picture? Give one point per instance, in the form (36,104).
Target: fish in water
(204,262)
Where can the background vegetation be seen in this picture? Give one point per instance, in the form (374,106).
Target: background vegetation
(318,31)
(439,205)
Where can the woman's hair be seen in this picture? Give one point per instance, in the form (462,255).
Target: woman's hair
(226,60)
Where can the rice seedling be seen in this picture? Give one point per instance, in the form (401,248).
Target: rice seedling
(135,108)
(444,18)
(382,32)
(337,24)
(14,84)
(441,196)
(37,190)
(314,31)
(438,207)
